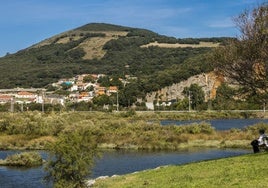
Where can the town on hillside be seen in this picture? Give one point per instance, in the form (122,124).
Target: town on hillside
(80,88)
(86,87)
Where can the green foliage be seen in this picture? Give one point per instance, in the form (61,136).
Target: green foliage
(195,128)
(182,104)
(245,59)
(77,53)
(33,123)
(88,78)
(129,94)
(71,158)
(102,27)
(101,100)
(255,128)
(80,106)
(225,100)
(197,95)
(129,113)
(106,81)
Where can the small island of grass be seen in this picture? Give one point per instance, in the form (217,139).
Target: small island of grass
(24,159)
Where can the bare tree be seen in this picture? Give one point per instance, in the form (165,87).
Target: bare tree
(245,59)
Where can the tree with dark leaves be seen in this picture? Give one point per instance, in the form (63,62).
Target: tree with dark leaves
(245,59)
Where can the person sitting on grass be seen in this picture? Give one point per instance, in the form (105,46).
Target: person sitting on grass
(261,142)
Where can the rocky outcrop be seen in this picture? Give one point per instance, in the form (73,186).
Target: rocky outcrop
(208,81)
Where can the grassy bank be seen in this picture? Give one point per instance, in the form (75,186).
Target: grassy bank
(242,171)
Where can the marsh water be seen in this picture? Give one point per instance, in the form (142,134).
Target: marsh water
(121,161)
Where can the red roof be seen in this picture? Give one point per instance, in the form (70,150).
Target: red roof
(24,93)
(5,97)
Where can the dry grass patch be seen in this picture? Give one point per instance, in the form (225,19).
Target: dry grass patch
(21,142)
(236,143)
(41,142)
(13,141)
(177,45)
(93,46)
(68,39)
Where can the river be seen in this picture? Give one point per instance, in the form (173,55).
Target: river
(218,124)
(114,162)
(121,162)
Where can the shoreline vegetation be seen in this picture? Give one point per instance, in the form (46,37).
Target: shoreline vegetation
(124,130)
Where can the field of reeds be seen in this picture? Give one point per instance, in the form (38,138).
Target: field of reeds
(123,130)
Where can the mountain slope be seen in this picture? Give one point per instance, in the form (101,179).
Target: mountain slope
(108,49)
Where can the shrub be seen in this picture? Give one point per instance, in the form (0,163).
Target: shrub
(71,158)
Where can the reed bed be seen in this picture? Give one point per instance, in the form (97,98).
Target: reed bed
(121,130)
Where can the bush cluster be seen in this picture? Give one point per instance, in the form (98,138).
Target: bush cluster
(32,123)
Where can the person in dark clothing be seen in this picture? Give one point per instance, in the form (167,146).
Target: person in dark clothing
(255,146)
(262,141)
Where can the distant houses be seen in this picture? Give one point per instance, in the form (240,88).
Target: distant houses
(26,97)
(21,95)
(81,88)
(5,98)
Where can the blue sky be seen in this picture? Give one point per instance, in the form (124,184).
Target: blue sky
(26,22)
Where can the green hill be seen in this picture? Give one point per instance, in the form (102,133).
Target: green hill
(108,49)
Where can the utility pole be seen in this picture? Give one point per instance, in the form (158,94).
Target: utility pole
(12,105)
(43,108)
(264,109)
(209,101)
(117,105)
(189,98)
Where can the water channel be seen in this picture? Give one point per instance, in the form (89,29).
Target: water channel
(121,162)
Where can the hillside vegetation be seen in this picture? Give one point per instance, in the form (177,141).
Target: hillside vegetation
(108,49)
